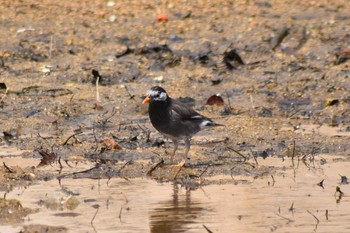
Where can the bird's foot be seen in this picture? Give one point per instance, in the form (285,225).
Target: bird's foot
(181,164)
(178,166)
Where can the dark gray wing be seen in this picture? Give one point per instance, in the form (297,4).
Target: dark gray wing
(183,111)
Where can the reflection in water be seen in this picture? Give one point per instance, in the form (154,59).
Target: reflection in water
(143,205)
(175,214)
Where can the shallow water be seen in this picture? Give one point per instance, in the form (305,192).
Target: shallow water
(143,205)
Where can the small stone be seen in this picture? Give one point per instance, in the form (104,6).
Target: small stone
(110,3)
(159,79)
(112,18)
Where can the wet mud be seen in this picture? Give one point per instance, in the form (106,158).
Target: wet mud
(72,79)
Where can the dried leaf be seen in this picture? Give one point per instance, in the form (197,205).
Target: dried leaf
(110,144)
(47,159)
(215,100)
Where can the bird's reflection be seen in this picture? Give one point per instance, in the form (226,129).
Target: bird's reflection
(176,214)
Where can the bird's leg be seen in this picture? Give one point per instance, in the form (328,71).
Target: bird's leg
(176,144)
(182,163)
(188,145)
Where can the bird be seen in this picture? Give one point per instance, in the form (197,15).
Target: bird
(174,119)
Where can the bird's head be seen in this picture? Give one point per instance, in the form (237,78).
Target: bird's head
(156,93)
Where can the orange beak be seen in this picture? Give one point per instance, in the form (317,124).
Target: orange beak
(146,100)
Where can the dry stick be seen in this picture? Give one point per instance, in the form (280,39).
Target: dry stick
(251,151)
(208,230)
(239,153)
(293,153)
(93,218)
(125,164)
(295,112)
(10,170)
(73,135)
(288,219)
(94,133)
(114,111)
(273,180)
(121,208)
(155,167)
(204,170)
(317,220)
(130,95)
(291,208)
(79,172)
(61,167)
(97,93)
(120,214)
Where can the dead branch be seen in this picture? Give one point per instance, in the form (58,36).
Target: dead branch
(155,167)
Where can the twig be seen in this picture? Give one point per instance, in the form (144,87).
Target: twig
(79,172)
(121,208)
(10,170)
(204,170)
(293,152)
(291,208)
(97,93)
(120,214)
(155,167)
(61,167)
(208,230)
(317,220)
(95,137)
(93,218)
(45,138)
(130,95)
(288,219)
(104,122)
(273,180)
(73,135)
(239,153)
(251,151)
(126,164)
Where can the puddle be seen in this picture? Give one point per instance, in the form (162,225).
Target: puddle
(143,205)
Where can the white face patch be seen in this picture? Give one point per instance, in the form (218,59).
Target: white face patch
(204,123)
(156,95)
(163,96)
(152,93)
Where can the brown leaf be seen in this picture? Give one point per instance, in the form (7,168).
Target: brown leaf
(215,100)
(47,159)
(110,144)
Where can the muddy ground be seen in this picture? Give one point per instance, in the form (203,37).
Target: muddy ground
(280,66)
